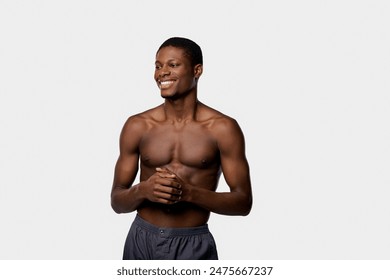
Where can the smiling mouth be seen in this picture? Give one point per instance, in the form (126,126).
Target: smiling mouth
(165,84)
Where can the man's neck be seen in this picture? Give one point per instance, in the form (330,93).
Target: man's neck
(182,109)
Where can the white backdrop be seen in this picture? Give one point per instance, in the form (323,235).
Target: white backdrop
(308,81)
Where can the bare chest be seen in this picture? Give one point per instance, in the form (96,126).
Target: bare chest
(191,145)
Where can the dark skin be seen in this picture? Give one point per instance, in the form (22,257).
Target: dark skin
(181,147)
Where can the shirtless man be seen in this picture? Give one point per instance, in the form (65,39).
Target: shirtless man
(181,148)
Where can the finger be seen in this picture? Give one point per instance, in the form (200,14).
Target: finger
(163,169)
(168,190)
(168,182)
(167,196)
(176,176)
(167,202)
(165,173)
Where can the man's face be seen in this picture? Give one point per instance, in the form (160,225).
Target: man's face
(174,74)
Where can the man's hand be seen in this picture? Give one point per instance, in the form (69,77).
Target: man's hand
(185,187)
(163,187)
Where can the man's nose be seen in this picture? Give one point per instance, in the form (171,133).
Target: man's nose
(164,71)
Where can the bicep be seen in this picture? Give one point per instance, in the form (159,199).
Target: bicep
(126,167)
(234,163)
(125,170)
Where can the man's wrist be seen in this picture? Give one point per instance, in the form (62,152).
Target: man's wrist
(138,191)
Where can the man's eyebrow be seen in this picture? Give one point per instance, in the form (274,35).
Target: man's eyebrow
(169,60)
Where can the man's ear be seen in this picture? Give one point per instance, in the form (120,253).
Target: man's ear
(198,70)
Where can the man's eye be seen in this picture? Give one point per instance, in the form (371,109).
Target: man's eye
(158,67)
(174,65)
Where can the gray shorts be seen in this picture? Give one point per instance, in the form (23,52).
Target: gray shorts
(148,242)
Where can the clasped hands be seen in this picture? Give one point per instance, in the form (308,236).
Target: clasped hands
(164,187)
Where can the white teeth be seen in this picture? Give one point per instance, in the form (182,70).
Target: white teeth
(166,83)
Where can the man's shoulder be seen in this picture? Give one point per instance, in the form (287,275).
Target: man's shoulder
(217,118)
(142,119)
(224,128)
(150,114)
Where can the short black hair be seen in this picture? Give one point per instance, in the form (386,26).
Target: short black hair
(190,48)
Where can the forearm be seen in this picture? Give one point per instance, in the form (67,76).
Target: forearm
(225,203)
(126,200)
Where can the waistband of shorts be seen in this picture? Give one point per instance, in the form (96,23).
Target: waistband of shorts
(170,231)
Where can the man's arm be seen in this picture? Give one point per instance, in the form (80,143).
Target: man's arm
(238,201)
(160,188)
